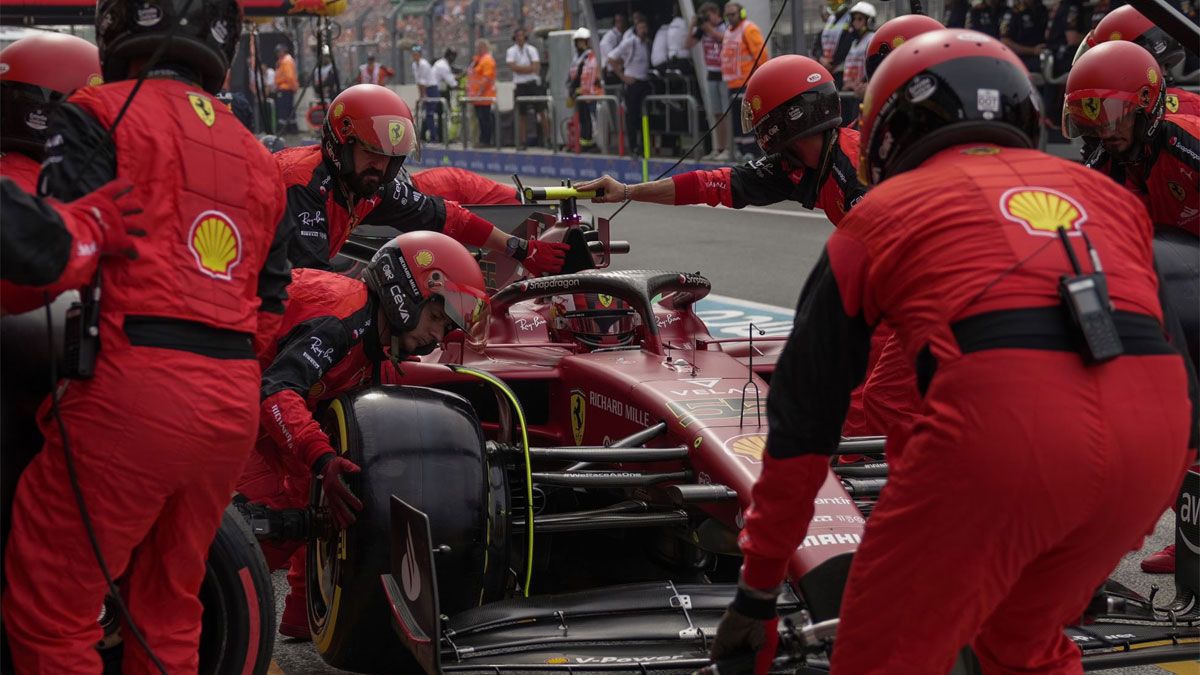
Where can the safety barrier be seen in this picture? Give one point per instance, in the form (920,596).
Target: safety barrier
(443,109)
(601,123)
(670,101)
(519,142)
(467,118)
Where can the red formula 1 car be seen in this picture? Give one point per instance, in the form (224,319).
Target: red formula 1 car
(562,490)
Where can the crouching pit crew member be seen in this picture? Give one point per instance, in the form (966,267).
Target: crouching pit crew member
(1116,101)
(1028,418)
(335,337)
(792,107)
(158,421)
(351,180)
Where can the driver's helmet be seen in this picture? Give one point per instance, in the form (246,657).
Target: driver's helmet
(419,267)
(593,320)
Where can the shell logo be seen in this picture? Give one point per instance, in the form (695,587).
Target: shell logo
(897,41)
(750,446)
(756,104)
(337,110)
(1151,76)
(1041,211)
(95,80)
(216,245)
(1116,35)
(556,660)
(423,258)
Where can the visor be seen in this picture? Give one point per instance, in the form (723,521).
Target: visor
(808,113)
(1098,112)
(467,307)
(389,135)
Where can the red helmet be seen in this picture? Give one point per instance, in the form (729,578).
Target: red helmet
(374,117)
(593,320)
(940,89)
(1111,83)
(35,74)
(417,267)
(789,97)
(894,33)
(1126,23)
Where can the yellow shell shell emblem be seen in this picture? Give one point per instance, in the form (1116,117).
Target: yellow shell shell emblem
(337,110)
(215,244)
(557,660)
(897,41)
(203,108)
(395,132)
(756,103)
(423,258)
(1114,36)
(750,446)
(95,80)
(1042,211)
(1151,76)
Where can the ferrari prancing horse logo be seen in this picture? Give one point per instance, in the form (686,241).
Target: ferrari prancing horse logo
(203,108)
(395,132)
(578,415)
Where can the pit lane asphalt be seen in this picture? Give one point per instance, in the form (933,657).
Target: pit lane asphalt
(759,254)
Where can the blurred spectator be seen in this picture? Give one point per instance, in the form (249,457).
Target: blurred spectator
(742,49)
(583,79)
(986,15)
(955,15)
(1068,24)
(709,30)
(373,73)
(854,75)
(522,59)
(631,61)
(324,79)
(633,19)
(670,42)
(427,84)
(612,38)
(1023,30)
(481,83)
(286,84)
(836,39)
(443,72)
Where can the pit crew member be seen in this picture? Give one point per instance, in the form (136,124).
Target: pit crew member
(44,242)
(794,110)
(161,430)
(895,32)
(1116,100)
(333,339)
(1126,23)
(350,180)
(971,287)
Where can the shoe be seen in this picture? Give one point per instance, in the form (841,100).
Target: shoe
(1162,562)
(294,622)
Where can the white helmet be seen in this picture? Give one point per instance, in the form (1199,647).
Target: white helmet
(582,34)
(864,8)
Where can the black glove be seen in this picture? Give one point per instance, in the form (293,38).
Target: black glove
(749,626)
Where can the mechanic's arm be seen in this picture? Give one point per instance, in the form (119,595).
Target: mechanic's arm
(824,360)
(75,137)
(758,183)
(274,277)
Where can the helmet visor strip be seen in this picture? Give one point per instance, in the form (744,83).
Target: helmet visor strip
(466,307)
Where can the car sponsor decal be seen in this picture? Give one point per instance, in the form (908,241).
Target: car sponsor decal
(1189,517)
(619,409)
(688,412)
(750,446)
(842,539)
(578,415)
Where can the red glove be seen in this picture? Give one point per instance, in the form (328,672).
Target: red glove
(545,257)
(341,501)
(106,209)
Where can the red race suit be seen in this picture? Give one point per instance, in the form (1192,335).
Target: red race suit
(325,216)
(318,352)
(1183,102)
(1167,181)
(1005,484)
(889,395)
(160,433)
(462,186)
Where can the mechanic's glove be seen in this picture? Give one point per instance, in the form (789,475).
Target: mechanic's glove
(544,257)
(107,207)
(342,503)
(749,626)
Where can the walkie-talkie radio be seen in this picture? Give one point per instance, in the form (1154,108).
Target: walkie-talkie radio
(81,339)
(1085,297)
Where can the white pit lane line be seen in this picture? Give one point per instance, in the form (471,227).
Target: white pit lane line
(819,215)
